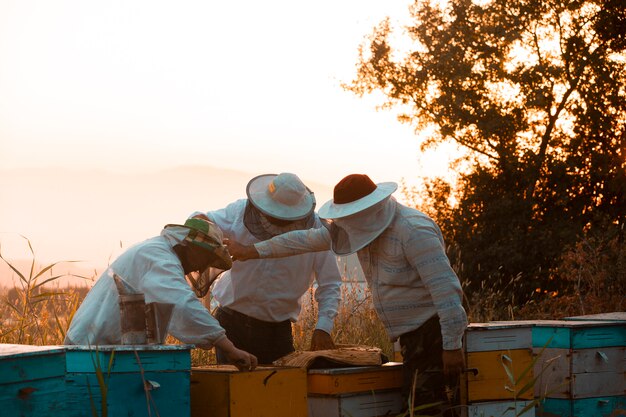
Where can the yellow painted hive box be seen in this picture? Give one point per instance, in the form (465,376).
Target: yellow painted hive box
(223,391)
(500,358)
(355,379)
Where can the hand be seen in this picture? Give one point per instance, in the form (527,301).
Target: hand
(453,363)
(239,252)
(243,360)
(321,340)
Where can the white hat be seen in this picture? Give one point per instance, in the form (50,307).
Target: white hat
(353,194)
(283,196)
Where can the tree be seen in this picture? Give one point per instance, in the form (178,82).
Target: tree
(534,93)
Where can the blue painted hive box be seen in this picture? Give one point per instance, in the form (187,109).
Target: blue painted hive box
(141,380)
(32,380)
(580,368)
(579,334)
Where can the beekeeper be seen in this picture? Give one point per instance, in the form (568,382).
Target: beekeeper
(259,300)
(157,268)
(416,293)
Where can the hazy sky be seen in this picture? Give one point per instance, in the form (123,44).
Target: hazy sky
(137,86)
(129,85)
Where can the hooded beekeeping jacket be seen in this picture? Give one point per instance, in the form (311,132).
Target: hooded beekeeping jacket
(271,290)
(151,268)
(406,268)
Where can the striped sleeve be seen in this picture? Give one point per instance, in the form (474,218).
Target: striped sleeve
(425,251)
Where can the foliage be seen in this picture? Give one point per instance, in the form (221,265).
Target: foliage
(534,93)
(37,314)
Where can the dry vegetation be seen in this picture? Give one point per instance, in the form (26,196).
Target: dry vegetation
(38,311)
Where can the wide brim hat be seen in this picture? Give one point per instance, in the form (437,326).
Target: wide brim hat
(354,194)
(208,236)
(281,196)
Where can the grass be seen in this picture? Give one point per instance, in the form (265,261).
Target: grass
(38,311)
(35,312)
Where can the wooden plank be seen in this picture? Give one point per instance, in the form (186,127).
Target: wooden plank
(588,407)
(584,373)
(481,337)
(126,395)
(354,379)
(597,384)
(32,366)
(7,350)
(611,359)
(553,372)
(615,316)
(492,382)
(34,398)
(500,409)
(161,358)
(163,369)
(372,404)
(566,334)
(266,391)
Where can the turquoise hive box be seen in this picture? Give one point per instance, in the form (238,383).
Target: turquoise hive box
(32,380)
(141,380)
(581,369)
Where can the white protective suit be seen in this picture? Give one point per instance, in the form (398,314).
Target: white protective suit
(153,269)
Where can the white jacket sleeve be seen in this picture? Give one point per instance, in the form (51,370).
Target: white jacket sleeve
(328,290)
(294,243)
(191,322)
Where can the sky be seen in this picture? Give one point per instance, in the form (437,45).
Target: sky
(137,86)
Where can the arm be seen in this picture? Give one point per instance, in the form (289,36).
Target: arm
(226,218)
(287,244)
(427,254)
(327,296)
(191,322)
(294,243)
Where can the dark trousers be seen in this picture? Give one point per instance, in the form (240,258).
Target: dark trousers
(424,382)
(267,341)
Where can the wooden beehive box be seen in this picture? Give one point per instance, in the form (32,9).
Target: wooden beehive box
(614,316)
(32,380)
(496,351)
(355,379)
(501,409)
(356,391)
(142,380)
(586,407)
(580,359)
(360,404)
(222,391)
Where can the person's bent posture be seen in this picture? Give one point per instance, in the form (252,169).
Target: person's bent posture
(259,300)
(157,268)
(416,293)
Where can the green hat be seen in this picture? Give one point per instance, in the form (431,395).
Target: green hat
(207,235)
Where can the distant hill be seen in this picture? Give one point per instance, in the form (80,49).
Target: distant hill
(93,215)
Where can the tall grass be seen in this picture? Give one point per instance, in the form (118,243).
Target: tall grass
(36,312)
(356,322)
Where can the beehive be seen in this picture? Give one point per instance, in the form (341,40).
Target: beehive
(501,409)
(581,366)
(223,391)
(359,391)
(139,380)
(32,380)
(499,354)
(360,404)
(355,379)
(499,361)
